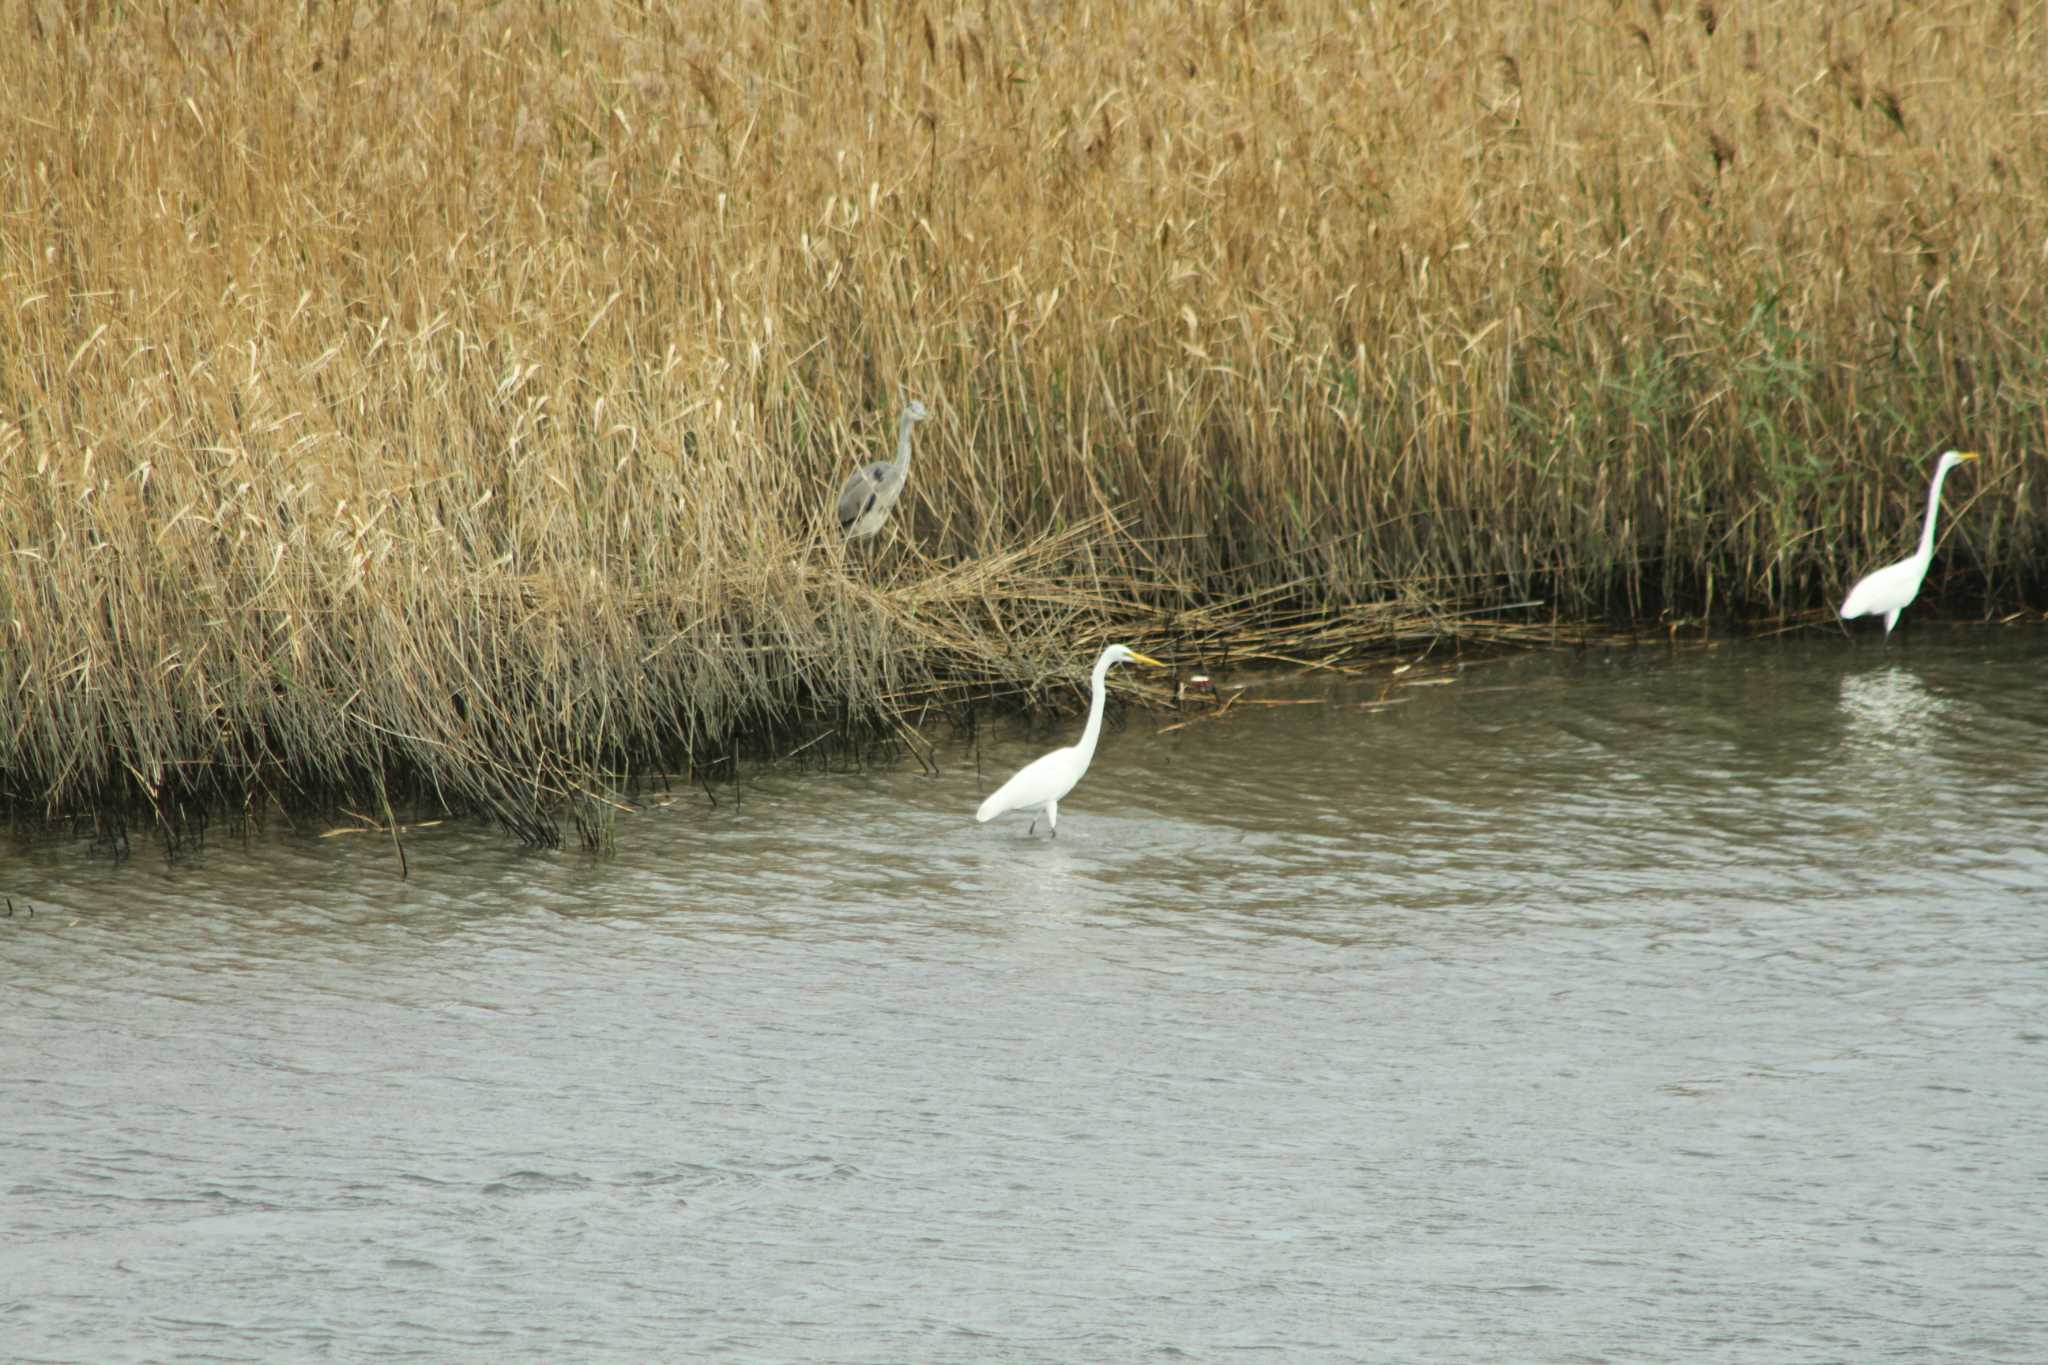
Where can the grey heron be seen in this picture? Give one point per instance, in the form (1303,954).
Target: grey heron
(872,490)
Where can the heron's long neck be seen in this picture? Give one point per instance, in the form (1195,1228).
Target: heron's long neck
(903,446)
(1086,748)
(1926,550)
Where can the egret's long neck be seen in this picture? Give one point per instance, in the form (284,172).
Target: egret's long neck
(1086,748)
(1926,550)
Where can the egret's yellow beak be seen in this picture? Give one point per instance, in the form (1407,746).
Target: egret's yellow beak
(1146,659)
(1966,455)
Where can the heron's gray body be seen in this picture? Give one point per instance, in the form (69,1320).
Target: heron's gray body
(871,492)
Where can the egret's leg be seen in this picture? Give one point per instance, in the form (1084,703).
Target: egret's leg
(1891,618)
(1034,825)
(1052,818)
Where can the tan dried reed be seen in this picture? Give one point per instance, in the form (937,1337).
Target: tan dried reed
(427,398)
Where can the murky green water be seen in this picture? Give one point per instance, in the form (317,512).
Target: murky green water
(1615,1008)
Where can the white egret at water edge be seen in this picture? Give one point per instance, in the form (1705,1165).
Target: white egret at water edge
(1039,785)
(1893,587)
(871,491)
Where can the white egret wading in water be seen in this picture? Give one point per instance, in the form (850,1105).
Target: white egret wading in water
(1039,785)
(871,492)
(1890,589)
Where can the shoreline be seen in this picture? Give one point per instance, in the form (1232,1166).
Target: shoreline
(568,791)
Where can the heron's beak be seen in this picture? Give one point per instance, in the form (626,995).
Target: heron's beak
(1145,659)
(1966,455)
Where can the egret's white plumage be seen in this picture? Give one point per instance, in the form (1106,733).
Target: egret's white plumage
(1039,784)
(871,491)
(1889,590)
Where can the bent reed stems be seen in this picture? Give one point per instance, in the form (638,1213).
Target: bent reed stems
(443,401)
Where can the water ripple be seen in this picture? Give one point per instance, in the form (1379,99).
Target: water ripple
(1697,993)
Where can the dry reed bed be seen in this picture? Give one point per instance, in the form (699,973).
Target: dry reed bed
(445,398)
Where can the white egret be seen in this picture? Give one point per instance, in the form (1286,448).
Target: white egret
(1039,785)
(1892,588)
(871,491)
